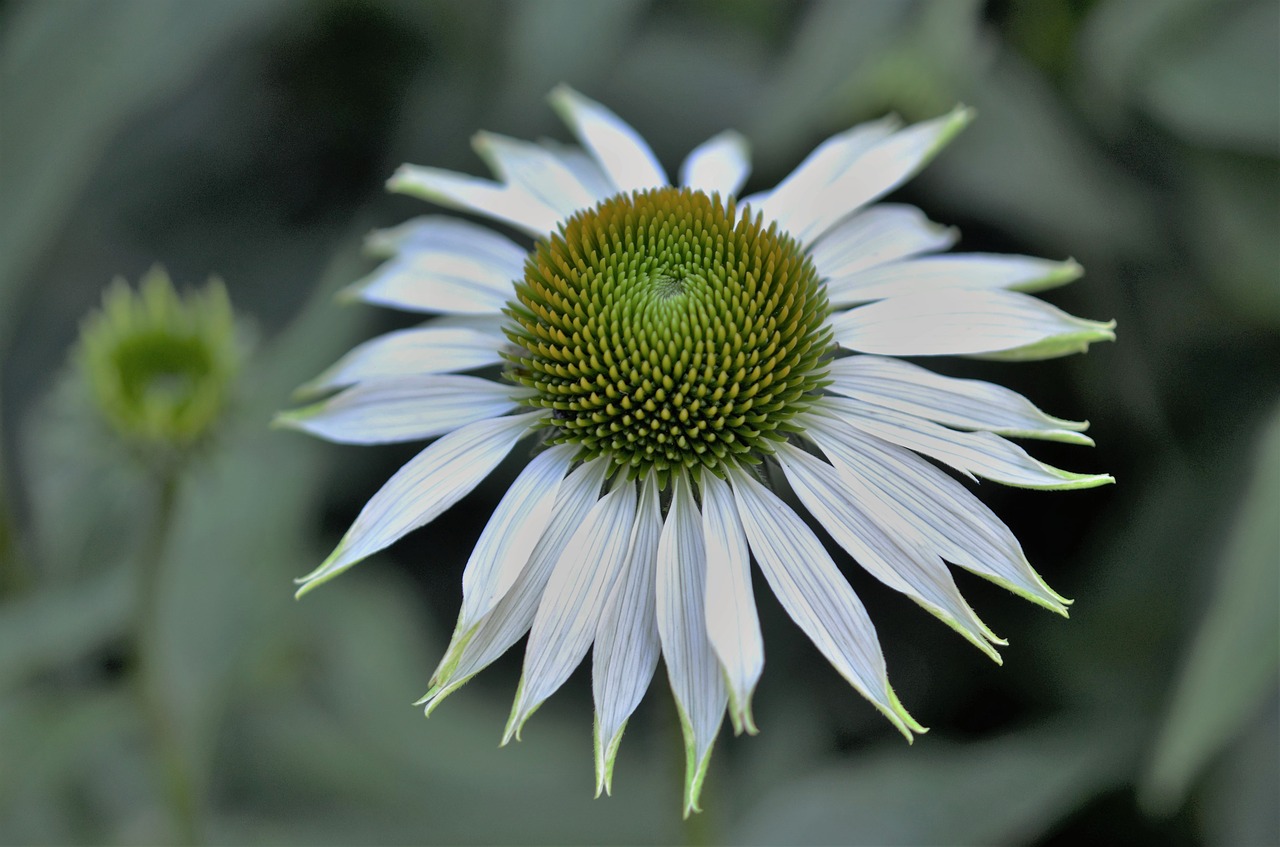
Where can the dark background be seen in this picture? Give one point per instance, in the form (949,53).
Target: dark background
(250,139)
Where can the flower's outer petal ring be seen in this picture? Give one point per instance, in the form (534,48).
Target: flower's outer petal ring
(927,276)
(423,489)
(622,153)
(422,350)
(733,626)
(441,264)
(512,532)
(887,554)
(407,408)
(696,679)
(573,602)
(974,453)
(816,596)
(885,232)
(509,204)
(471,651)
(719,165)
(964,323)
(627,645)
(959,403)
(923,500)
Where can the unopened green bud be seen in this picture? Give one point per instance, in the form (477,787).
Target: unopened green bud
(160,366)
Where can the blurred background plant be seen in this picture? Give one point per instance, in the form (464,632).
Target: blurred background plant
(250,139)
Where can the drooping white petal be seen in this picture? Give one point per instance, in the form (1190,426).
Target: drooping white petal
(569,613)
(960,403)
(423,489)
(895,558)
(975,453)
(512,532)
(925,277)
(732,624)
(792,202)
(407,408)
(922,498)
(509,204)
(627,644)
(471,651)
(536,170)
(959,323)
(720,164)
(442,265)
(692,668)
(816,595)
(423,350)
(623,155)
(874,236)
(879,170)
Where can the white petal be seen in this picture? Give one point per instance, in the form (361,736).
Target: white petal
(584,167)
(536,170)
(408,408)
(793,202)
(512,532)
(627,645)
(956,323)
(442,265)
(573,602)
(878,171)
(882,233)
(816,595)
(423,350)
(623,155)
(695,676)
(509,204)
(959,403)
(720,164)
(974,453)
(918,497)
(732,624)
(930,275)
(423,489)
(471,651)
(895,558)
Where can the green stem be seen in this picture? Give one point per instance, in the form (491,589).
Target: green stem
(175,771)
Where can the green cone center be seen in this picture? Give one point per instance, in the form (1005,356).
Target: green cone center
(669,329)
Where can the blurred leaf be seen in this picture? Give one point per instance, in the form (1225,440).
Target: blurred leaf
(50,627)
(544,47)
(1234,659)
(1118,42)
(1236,212)
(1007,790)
(347,751)
(833,43)
(1239,804)
(1221,86)
(1024,165)
(72,73)
(50,744)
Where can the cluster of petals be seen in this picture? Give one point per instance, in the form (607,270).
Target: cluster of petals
(581,559)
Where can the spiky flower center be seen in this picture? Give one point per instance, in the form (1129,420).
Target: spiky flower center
(669,329)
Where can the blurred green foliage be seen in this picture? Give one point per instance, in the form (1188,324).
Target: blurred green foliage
(249,139)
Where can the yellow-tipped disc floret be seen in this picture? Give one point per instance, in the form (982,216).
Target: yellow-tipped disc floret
(668,329)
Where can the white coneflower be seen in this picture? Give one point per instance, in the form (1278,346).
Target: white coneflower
(660,344)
